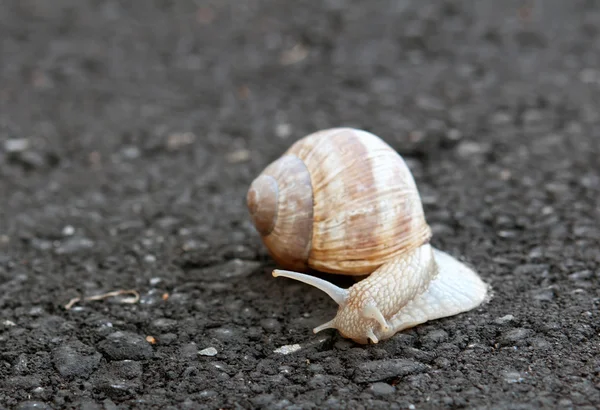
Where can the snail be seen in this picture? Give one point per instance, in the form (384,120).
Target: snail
(342,201)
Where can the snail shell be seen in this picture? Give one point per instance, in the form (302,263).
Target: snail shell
(343,201)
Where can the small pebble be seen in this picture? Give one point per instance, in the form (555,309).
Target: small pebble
(208,393)
(540,343)
(507,234)
(382,389)
(536,253)
(131,152)
(504,319)
(294,55)
(209,351)
(565,403)
(33,405)
(283,130)
(221,366)
(441,229)
(193,245)
(287,349)
(544,294)
(454,134)
(74,245)
(161,325)
(36,311)
(235,268)
(581,275)
(38,391)
(126,345)
(500,118)
(513,377)
(515,335)
(223,333)
(429,103)
(16,145)
(331,403)
(21,366)
(68,230)
(167,338)
(31,159)
(469,148)
(178,140)
(104,327)
(270,324)
(153,297)
(241,155)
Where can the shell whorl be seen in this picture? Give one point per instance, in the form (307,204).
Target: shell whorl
(340,201)
(367,208)
(262,203)
(280,201)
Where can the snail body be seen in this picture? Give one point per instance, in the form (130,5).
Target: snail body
(342,201)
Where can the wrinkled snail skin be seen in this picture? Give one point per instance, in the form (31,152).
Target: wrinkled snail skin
(423,285)
(342,201)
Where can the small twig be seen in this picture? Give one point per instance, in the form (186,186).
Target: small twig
(131,300)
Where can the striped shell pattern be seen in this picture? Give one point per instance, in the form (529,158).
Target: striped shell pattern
(340,201)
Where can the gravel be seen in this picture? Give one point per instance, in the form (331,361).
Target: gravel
(129,136)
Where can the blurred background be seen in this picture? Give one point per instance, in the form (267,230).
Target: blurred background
(130,131)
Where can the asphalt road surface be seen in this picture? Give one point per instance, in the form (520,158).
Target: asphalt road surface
(130,131)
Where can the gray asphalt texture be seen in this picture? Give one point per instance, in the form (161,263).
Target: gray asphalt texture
(131,131)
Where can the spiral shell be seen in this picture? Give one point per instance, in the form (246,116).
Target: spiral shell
(340,201)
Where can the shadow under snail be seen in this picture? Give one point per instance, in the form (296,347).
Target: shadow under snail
(342,201)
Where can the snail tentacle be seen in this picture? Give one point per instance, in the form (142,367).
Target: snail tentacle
(327,325)
(373,312)
(372,337)
(339,295)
